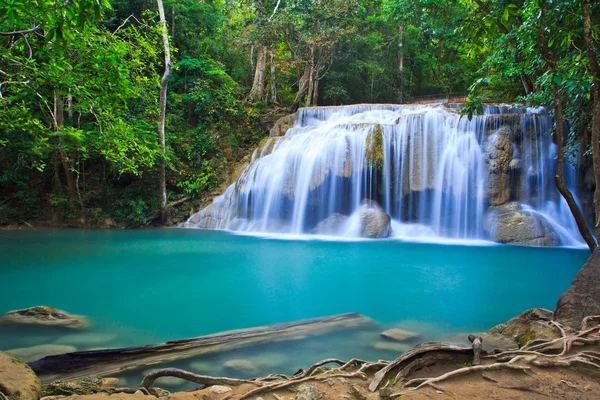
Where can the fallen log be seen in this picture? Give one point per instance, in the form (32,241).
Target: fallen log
(112,361)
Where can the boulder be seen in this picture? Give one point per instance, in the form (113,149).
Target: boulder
(332,225)
(80,387)
(308,392)
(44,315)
(582,299)
(35,353)
(374,222)
(511,225)
(17,380)
(399,335)
(531,324)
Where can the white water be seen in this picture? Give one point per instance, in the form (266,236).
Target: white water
(433,178)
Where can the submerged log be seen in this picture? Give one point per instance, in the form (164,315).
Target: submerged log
(111,361)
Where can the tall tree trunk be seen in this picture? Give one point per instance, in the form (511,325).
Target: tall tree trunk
(311,76)
(164,81)
(252,59)
(273,79)
(400,63)
(257,93)
(302,89)
(559,180)
(315,95)
(67,164)
(595,70)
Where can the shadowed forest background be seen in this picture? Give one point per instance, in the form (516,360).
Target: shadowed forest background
(79,86)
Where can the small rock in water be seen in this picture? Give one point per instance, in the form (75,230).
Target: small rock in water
(34,353)
(399,335)
(44,315)
(241,366)
(308,392)
(218,389)
(391,346)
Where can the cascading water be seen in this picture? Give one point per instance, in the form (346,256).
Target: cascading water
(343,170)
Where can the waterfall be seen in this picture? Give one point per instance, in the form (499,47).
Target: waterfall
(422,169)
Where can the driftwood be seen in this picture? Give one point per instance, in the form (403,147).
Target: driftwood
(106,362)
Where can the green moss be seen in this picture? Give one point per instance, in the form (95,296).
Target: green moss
(526,337)
(374,148)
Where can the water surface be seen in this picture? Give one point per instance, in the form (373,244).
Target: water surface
(147,286)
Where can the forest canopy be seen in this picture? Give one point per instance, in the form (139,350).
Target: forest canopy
(79,84)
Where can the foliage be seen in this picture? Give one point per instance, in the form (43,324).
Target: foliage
(79,83)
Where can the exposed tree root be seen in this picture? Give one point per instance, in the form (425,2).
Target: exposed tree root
(191,377)
(420,382)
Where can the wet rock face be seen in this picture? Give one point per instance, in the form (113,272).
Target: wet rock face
(499,154)
(582,299)
(283,124)
(17,380)
(44,315)
(511,225)
(331,225)
(375,223)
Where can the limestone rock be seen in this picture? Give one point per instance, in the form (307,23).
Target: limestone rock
(498,154)
(44,315)
(241,366)
(519,227)
(34,353)
(17,380)
(375,223)
(499,150)
(220,389)
(308,392)
(80,387)
(582,299)
(399,335)
(283,124)
(331,225)
(531,324)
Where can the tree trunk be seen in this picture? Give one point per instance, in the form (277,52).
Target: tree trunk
(595,70)
(311,78)
(400,63)
(273,79)
(315,95)
(162,112)
(302,90)
(559,180)
(252,58)
(64,160)
(257,93)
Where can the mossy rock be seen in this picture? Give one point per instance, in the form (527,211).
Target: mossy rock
(374,148)
(80,387)
(17,380)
